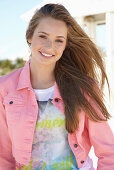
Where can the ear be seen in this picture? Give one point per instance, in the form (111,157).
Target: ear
(29,40)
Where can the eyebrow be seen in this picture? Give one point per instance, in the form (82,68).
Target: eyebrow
(60,36)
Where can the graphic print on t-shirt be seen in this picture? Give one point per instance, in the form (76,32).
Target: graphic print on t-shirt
(50,149)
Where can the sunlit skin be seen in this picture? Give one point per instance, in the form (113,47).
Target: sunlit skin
(47,45)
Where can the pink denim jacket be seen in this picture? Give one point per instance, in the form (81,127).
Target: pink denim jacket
(18,116)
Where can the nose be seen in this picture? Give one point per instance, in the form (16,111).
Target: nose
(49,44)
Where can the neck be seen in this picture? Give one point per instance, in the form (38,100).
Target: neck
(42,77)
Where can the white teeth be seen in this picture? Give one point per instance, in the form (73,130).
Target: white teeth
(47,55)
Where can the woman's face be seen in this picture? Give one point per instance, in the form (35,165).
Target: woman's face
(48,41)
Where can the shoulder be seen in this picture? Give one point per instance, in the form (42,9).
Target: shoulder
(9,80)
(10,76)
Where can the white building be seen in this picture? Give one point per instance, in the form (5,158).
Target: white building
(97,18)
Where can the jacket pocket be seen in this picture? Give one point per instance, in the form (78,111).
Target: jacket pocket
(13,107)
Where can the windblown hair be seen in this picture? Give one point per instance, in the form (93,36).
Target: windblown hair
(80,72)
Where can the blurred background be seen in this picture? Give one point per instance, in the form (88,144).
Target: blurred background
(96,17)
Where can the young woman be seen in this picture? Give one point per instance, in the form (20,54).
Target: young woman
(52,110)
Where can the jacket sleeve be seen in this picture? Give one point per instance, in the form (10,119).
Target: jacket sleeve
(7,161)
(102,139)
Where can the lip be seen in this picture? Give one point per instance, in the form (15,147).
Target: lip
(47,54)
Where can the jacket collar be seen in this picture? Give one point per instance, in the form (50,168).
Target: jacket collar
(25,82)
(24,78)
(56,92)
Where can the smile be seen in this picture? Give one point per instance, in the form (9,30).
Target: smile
(46,55)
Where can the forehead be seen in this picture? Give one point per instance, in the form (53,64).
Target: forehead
(51,25)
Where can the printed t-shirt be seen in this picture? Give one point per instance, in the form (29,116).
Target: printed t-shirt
(50,149)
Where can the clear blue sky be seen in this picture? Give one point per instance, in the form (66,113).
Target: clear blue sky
(12,27)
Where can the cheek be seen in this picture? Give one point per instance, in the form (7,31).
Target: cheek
(36,42)
(60,49)
(60,52)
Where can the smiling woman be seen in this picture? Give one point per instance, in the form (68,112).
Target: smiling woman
(52,109)
(48,43)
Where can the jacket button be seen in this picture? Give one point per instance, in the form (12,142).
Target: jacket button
(56,100)
(82,162)
(75,145)
(11,102)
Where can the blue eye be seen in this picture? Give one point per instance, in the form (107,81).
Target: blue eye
(42,36)
(60,41)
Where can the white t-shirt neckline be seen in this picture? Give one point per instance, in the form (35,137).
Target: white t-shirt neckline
(44,94)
